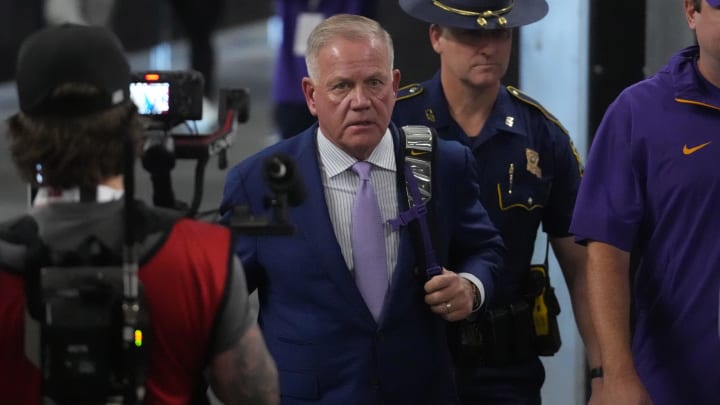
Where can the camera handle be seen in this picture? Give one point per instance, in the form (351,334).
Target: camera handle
(158,159)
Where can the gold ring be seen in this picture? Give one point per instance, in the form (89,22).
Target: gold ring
(448,307)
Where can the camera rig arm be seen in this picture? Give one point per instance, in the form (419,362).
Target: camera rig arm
(163,147)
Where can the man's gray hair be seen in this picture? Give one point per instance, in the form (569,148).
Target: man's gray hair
(347,26)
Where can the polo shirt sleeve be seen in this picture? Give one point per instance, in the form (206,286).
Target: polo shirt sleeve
(610,203)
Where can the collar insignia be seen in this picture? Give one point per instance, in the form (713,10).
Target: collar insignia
(430,115)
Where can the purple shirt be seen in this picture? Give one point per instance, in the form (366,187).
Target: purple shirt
(652,186)
(290,68)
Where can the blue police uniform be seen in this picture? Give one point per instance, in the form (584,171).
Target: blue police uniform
(529,174)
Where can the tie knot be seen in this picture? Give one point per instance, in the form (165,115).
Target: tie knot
(362,169)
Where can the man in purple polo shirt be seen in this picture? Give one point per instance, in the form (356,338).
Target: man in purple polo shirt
(652,186)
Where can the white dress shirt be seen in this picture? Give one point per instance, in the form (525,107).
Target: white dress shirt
(340,184)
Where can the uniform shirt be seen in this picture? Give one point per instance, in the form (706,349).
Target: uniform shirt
(529,172)
(652,184)
(340,184)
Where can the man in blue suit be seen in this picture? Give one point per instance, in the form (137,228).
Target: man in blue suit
(331,345)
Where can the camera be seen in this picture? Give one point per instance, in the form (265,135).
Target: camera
(168,97)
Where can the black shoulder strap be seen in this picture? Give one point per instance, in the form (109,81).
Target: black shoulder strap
(21,246)
(418,142)
(539,277)
(151,220)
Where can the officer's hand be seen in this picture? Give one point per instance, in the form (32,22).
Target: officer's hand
(624,389)
(596,398)
(450,295)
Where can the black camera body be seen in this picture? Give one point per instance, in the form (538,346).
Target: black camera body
(78,336)
(168,97)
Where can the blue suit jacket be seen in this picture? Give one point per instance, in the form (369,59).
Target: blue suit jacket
(327,346)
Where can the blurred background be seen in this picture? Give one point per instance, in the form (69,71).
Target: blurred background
(574,61)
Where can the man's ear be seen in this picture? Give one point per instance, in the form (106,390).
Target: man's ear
(309,91)
(434,33)
(396,80)
(690,13)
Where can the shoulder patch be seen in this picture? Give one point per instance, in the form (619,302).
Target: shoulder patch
(411,90)
(517,93)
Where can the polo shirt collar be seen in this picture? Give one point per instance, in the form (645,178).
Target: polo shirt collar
(689,85)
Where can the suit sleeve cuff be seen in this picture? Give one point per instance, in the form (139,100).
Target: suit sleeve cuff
(476,281)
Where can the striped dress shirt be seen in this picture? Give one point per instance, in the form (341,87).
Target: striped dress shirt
(340,184)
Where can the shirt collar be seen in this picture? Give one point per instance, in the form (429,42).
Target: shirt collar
(438,112)
(689,84)
(336,161)
(503,117)
(47,195)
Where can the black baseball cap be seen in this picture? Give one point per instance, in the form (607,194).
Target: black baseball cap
(71,53)
(476,14)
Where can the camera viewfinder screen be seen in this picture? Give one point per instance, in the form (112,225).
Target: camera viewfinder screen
(151,98)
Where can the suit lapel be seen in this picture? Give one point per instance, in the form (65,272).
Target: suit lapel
(313,223)
(406,264)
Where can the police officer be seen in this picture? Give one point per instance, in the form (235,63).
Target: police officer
(529,174)
(76,118)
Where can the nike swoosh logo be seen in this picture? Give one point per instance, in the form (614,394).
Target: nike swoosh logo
(417,153)
(690,151)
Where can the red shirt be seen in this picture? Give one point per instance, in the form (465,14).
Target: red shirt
(185,285)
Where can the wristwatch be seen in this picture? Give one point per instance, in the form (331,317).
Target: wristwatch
(476,297)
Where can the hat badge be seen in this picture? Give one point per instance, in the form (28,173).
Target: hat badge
(482,16)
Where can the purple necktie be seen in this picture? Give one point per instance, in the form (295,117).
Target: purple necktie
(368,243)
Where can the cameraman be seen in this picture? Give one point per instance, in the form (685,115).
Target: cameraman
(68,138)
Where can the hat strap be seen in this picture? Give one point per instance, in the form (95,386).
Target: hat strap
(482,16)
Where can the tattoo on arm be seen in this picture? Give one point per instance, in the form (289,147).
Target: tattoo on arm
(246,374)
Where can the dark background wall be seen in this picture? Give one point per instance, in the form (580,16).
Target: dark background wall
(138,23)
(616,53)
(414,55)
(616,56)
(18,18)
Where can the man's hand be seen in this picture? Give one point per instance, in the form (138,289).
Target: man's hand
(624,390)
(450,295)
(596,397)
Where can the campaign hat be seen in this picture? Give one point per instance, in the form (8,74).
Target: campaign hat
(71,53)
(476,14)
